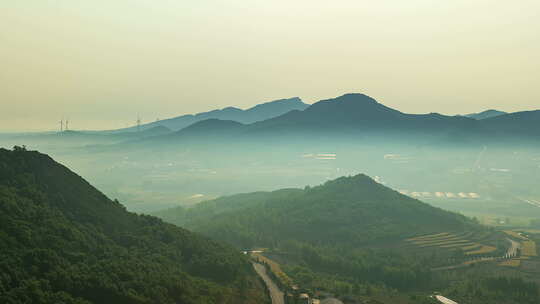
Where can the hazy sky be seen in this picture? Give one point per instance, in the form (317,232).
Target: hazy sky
(102,62)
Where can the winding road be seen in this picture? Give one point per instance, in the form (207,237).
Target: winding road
(445,300)
(275,294)
(511,252)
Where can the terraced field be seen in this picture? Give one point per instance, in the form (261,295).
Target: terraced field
(516,235)
(471,247)
(471,243)
(511,263)
(480,247)
(482,250)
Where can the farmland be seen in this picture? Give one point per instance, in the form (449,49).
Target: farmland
(511,263)
(529,248)
(469,243)
(482,250)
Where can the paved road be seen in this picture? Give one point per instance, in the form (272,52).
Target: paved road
(275,294)
(445,300)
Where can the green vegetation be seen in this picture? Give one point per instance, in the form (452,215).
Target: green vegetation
(329,235)
(449,240)
(62,241)
(357,209)
(508,290)
(359,240)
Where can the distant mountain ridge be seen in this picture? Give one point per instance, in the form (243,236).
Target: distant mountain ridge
(356,110)
(515,124)
(486,114)
(348,115)
(259,112)
(355,115)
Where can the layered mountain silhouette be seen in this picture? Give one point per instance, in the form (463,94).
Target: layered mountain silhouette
(63,241)
(83,138)
(360,111)
(257,113)
(357,115)
(515,124)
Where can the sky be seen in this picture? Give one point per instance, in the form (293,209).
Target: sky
(102,63)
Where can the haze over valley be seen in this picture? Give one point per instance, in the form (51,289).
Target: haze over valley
(456,163)
(270,152)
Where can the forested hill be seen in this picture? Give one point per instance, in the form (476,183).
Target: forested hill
(341,232)
(347,211)
(62,241)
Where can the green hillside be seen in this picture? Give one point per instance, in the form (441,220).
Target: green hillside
(330,233)
(352,210)
(348,238)
(62,241)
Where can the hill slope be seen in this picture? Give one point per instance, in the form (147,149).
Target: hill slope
(61,240)
(341,232)
(349,210)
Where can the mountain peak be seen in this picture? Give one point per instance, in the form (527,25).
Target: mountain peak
(353,179)
(212,123)
(351,108)
(486,114)
(356,97)
(294,102)
(353,183)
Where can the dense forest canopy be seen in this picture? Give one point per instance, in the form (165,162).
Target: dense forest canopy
(328,228)
(346,237)
(62,241)
(353,210)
